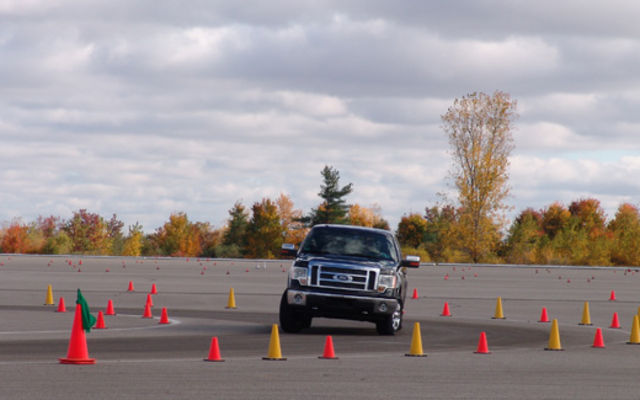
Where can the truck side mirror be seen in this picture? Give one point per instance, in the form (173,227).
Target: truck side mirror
(411,262)
(288,250)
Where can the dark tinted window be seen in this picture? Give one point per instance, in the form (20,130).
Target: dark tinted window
(350,242)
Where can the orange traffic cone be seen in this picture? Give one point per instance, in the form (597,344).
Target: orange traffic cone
(110,310)
(543,315)
(164,317)
(77,353)
(483,346)
(149,300)
(445,310)
(415,294)
(328,353)
(147,311)
(100,321)
(154,290)
(61,306)
(615,323)
(130,289)
(598,342)
(214,351)
(612,296)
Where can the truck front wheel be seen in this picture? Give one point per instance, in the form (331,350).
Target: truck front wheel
(391,323)
(292,321)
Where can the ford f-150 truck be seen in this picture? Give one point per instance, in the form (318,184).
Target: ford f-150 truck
(348,272)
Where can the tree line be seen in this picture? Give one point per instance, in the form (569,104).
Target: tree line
(473,229)
(255,232)
(578,234)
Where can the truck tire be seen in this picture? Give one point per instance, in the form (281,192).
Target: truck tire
(292,321)
(391,323)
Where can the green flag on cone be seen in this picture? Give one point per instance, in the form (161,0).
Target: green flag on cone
(88,320)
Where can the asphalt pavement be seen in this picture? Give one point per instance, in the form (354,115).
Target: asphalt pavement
(138,358)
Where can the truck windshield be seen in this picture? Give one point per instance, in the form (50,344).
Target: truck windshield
(350,242)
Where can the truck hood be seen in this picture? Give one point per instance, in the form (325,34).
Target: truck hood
(347,261)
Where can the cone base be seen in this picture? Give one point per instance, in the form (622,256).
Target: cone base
(415,355)
(544,322)
(447,315)
(581,324)
(550,349)
(498,317)
(77,360)
(633,342)
(231,308)
(327,358)
(208,360)
(598,347)
(274,359)
(481,352)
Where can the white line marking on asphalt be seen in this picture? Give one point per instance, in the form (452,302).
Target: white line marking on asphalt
(172,321)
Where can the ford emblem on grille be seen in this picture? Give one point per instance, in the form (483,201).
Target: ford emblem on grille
(344,278)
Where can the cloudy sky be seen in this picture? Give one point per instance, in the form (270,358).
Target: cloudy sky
(144,108)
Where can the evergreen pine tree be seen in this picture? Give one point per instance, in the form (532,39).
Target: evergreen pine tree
(333,209)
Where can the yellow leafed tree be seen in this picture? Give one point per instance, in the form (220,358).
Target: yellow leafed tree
(479,130)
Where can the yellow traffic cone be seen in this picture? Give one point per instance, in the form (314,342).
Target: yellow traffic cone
(635,331)
(638,312)
(274,346)
(499,314)
(49,299)
(416,343)
(586,317)
(232,299)
(554,337)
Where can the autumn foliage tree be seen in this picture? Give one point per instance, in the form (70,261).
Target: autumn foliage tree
(264,231)
(133,243)
(625,235)
(367,216)
(178,237)
(290,220)
(523,242)
(479,130)
(15,238)
(411,231)
(89,233)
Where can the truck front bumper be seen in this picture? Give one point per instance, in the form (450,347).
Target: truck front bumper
(331,305)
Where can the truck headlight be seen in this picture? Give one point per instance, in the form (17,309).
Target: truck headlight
(386,282)
(299,274)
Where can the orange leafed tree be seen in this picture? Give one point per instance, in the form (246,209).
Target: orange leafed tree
(294,229)
(367,216)
(15,238)
(479,130)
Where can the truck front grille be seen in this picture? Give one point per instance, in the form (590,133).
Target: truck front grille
(340,277)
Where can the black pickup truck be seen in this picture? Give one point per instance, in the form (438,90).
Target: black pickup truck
(348,272)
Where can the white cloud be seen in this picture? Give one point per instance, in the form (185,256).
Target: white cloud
(147,108)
